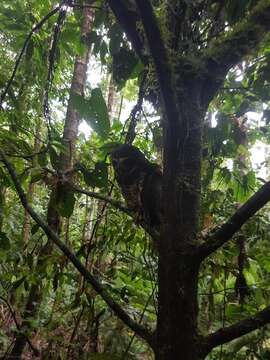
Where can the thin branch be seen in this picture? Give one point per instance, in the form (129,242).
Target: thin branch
(118,310)
(118,205)
(223,234)
(115,203)
(131,133)
(26,42)
(243,327)
(29,156)
(85,6)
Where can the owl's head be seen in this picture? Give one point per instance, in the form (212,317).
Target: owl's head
(127,160)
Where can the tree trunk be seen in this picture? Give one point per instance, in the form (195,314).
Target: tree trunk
(177,336)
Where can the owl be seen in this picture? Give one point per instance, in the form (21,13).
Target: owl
(140,182)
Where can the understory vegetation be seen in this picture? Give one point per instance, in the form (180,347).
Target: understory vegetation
(186,82)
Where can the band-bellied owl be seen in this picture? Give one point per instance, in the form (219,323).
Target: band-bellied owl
(140,182)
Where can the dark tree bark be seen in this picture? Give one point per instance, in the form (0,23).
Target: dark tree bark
(185,102)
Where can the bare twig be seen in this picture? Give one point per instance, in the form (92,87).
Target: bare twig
(117,204)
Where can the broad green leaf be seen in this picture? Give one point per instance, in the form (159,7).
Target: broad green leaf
(94,111)
(4,241)
(115,34)
(97,177)
(109,147)
(124,63)
(65,200)
(36,175)
(100,120)
(42,157)
(34,229)
(103,52)
(54,158)
(17,283)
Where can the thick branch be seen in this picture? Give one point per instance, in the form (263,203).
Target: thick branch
(137,328)
(230,49)
(223,234)
(161,59)
(232,332)
(127,19)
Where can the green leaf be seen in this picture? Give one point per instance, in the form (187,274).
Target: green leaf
(4,179)
(65,200)
(42,157)
(94,111)
(54,158)
(4,241)
(97,177)
(103,52)
(100,119)
(18,283)
(36,175)
(29,50)
(116,35)
(109,147)
(34,229)
(124,63)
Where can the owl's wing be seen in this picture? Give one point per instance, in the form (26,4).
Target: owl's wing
(151,198)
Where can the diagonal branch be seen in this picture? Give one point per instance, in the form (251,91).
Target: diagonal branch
(115,203)
(128,18)
(232,332)
(231,48)
(223,234)
(118,205)
(118,310)
(160,58)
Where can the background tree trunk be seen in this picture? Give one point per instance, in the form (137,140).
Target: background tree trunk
(66,161)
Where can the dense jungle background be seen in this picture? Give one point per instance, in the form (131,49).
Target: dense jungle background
(73,85)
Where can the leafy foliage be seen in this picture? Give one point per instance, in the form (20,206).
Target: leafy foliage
(107,241)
